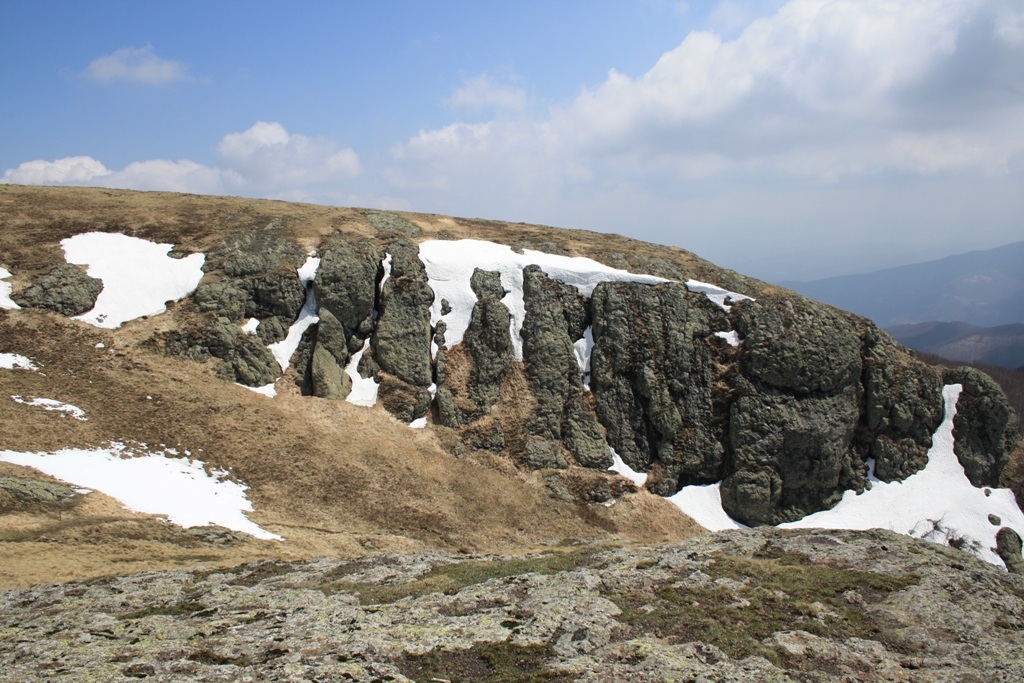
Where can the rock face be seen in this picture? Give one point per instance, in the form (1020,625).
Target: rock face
(985,427)
(750,606)
(783,400)
(653,375)
(401,338)
(66,290)
(555,317)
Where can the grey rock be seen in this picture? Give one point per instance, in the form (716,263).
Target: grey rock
(247,360)
(732,606)
(227,298)
(653,378)
(798,345)
(902,407)
(403,400)
(389,224)
(66,290)
(275,294)
(790,455)
(401,340)
(1008,547)
(256,251)
(327,377)
(555,317)
(346,284)
(984,428)
(541,454)
(488,341)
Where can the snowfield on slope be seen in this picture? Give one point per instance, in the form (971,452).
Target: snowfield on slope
(938,504)
(138,276)
(157,483)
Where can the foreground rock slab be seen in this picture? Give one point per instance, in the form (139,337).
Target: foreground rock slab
(756,605)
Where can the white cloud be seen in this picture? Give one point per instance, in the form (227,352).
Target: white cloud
(136,65)
(67,171)
(265,160)
(268,156)
(483,92)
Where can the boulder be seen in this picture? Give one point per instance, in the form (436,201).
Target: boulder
(327,378)
(902,407)
(66,290)
(346,284)
(401,339)
(985,427)
(1008,547)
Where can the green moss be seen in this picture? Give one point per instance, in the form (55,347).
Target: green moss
(484,663)
(451,578)
(784,593)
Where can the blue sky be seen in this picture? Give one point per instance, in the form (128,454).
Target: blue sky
(788,140)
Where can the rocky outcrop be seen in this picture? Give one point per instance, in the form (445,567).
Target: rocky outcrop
(246,358)
(66,290)
(653,375)
(471,391)
(751,606)
(1008,547)
(902,407)
(402,335)
(985,427)
(555,317)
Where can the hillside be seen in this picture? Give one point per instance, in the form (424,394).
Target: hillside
(1002,345)
(258,379)
(984,288)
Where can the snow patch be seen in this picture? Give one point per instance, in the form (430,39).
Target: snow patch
(620,467)
(364,389)
(52,404)
(450,264)
(732,337)
(267,389)
(722,297)
(180,489)
(15,361)
(138,276)
(583,348)
(419,423)
(5,291)
(285,349)
(251,325)
(704,505)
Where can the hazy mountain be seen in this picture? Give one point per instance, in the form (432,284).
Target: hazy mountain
(979,288)
(1002,345)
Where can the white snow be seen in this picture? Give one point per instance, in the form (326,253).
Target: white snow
(364,389)
(722,297)
(732,337)
(939,503)
(704,505)
(52,404)
(450,265)
(620,467)
(285,349)
(15,361)
(5,291)
(267,389)
(419,423)
(251,325)
(138,276)
(582,348)
(177,488)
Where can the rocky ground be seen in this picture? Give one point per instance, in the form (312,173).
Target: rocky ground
(760,605)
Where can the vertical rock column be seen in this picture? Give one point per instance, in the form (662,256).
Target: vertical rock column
(555,317)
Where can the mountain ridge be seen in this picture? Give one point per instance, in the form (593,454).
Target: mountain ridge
(983,287)
(783,402)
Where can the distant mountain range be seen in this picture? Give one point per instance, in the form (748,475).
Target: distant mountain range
(982,288)
(1002,345)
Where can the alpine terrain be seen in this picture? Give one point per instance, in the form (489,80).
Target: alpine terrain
(255,440)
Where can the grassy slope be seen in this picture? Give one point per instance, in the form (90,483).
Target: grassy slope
(330,477)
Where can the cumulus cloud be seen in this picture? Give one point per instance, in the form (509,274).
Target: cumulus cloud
(483,92)
(265,159)
(136,65)
(819,89)
(267,155)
